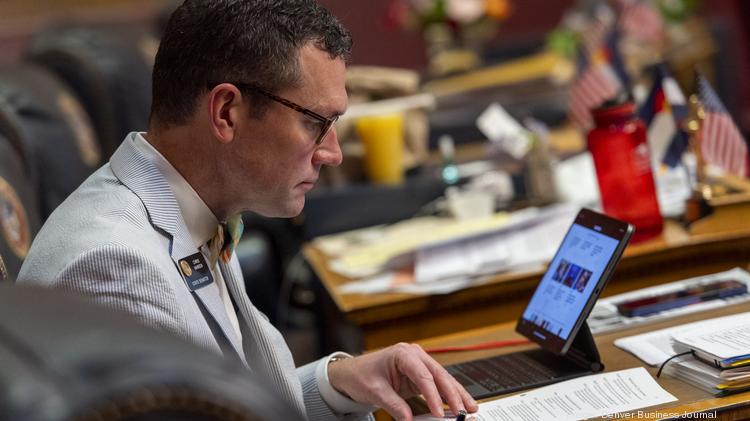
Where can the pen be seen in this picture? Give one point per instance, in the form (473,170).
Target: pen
(461,415)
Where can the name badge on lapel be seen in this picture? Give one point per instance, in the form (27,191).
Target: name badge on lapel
(196,271)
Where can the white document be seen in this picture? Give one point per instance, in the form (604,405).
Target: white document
(529,241)
(400,283)
(653,348)
(578,399)
(724,337)
(729,336)
(466,257)
(374,285)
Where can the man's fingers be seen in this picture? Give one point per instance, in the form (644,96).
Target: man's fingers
(454,394)
(392,403)
(469,402)
(447,388)
(411,365)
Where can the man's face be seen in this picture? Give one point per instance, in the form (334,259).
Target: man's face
(277,159)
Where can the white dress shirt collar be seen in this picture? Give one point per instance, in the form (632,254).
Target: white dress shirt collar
(200,220)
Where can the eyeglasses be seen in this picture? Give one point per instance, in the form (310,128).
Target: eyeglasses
(325,123)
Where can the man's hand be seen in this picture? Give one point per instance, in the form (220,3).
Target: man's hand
(388,376)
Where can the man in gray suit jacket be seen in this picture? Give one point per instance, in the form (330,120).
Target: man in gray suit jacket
(245,94)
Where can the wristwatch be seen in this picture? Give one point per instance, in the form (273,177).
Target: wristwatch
(340,402)
(338,357)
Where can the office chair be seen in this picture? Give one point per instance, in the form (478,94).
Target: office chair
(48,122)
(109,71)
(63,358)
(19,221)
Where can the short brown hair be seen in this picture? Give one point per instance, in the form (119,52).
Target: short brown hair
(249,41)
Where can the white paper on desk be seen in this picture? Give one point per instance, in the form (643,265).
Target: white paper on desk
(653,348)
(529,245)
(723,334)
(464,257)
(724,337)
(386,282)
(368,252)
(578,399)
(373,285)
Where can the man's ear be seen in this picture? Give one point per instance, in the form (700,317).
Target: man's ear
(224,111)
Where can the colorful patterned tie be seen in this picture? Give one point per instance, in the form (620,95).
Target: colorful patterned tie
(227,236)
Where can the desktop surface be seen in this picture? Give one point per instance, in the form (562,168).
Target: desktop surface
(382,319)
(690,398)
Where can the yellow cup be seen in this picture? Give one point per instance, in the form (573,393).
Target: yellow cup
(383,140)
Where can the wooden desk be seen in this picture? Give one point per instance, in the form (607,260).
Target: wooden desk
(361,322)
(691,399)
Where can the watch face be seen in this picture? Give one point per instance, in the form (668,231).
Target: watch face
(338,357)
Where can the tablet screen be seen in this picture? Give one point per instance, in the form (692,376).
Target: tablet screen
(573,277)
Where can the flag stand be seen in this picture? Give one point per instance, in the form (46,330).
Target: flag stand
(717,204)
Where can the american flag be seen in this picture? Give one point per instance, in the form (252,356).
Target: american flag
(722,143)
(596,83)
(598,77)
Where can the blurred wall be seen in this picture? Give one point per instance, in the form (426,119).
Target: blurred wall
(377,43)
(20,19)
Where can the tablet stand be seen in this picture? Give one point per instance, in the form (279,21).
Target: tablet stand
(583,350)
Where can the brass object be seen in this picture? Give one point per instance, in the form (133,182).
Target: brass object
(717,204)
(696,206)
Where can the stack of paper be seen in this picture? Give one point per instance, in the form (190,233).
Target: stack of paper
(440,255)
(714,380)
(720,359)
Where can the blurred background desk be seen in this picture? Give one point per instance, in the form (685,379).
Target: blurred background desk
(357,322)
(691,399)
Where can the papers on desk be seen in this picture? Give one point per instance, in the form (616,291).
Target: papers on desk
(716,339)
(721,354)
(440,255)
(530,243)
(371,251)
(724,341)
(710,379)
(721,348)
(653,348)
(578,399)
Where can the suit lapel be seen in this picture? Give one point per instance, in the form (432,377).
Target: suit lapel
(266,349)
(139,174)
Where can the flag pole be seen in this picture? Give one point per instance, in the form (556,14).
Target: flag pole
(694,127)
(696,205)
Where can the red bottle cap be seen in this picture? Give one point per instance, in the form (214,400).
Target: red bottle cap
(612,113)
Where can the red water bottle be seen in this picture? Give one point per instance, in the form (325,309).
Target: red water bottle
(621,157)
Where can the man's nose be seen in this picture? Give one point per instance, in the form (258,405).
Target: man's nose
(329,151)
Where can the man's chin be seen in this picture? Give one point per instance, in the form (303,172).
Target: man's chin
(289,209)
